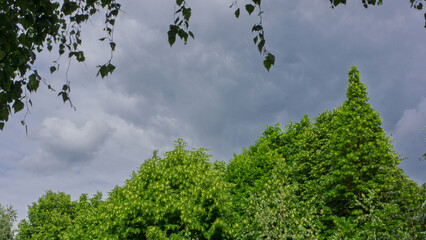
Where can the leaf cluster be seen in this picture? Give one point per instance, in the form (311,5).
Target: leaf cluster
(29,27)
(415,4)
(180,27)
(259,39)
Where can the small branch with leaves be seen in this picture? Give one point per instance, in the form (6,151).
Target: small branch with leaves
(259,39)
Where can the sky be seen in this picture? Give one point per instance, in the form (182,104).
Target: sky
(213,92)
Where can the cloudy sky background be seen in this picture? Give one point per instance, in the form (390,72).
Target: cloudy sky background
(214,92)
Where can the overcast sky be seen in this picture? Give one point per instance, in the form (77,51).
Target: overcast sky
(213,92)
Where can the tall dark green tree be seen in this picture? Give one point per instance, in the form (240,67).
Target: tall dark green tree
(341,166)
(365,193)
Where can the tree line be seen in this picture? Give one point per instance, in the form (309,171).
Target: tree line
(335,176)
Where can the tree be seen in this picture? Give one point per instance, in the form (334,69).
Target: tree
(421,215)
(275,210)
(333,177)
(341,167)
(182,196)
(29,27)
(49,217)
(7,219)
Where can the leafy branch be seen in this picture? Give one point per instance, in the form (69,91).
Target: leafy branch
(180,27)
(28,28)
(259,39)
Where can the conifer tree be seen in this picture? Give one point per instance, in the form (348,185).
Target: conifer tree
(365,191)
(342,164)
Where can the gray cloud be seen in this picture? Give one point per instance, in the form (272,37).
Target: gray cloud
(62,144)
(410,135)
(214,92)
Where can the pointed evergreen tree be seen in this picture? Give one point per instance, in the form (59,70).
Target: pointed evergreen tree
(364,189)
(358,146)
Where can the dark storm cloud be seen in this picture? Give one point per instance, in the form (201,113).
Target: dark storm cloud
(214,92)
(217,85)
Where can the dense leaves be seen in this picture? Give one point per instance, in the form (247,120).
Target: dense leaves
(332,177)
(49,217)
(29,27)
(341,168)
(180,196)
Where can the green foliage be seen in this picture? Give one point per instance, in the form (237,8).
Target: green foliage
(334,177)
(259,39)
(179,197)
(7,218)
(340,169)
(415,4)
(364,191)
(420,217)
(85,223)
(55,216)
(181,24)
(49,217)
(275,211)
(29,27)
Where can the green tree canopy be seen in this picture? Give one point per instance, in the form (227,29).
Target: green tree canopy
(341,168)
(7,219)
(180,196)
(49,217)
